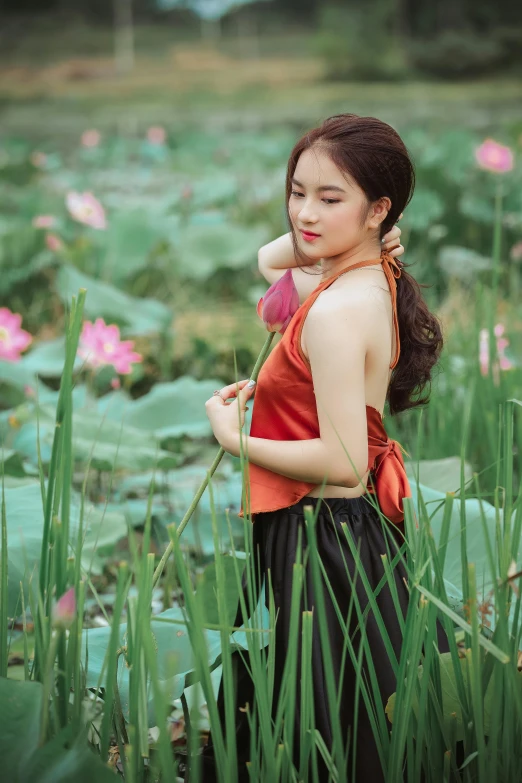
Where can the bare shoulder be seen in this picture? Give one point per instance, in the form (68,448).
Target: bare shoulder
(365,296)
(360,308)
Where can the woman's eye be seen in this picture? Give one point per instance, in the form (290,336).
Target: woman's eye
(327,200)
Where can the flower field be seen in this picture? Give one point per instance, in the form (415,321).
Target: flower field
(128,293)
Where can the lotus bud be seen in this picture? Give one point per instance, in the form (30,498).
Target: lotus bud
(279,304)
(64,611)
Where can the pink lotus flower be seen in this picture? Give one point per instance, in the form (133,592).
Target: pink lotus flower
(279,304)
(90,138)
(156,135)
(100,345)
(53,243)
(516,252)
(64,610)
(44,221)
(493,156)
(85,208)
(116,383)
(38,159)
(503,362)
(13,339)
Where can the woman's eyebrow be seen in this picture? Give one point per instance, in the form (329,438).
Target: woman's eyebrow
(321,188)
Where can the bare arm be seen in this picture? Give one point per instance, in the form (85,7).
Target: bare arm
(340,453)
(278,256)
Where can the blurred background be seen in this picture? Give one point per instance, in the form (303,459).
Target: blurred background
(143,146)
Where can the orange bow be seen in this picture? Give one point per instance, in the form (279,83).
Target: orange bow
(389,477)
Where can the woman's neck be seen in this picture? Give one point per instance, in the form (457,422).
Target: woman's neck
(331,266)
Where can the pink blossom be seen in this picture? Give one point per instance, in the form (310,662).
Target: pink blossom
(85,208)
(90,138)
(100,345)
(187,192)
(156,135)
(503,363)
(116,383)
(493,156)
(44,221)
(38,159)
(484,351)
(53,242)
(29,391)
(516,252)
(279,304)
(13,339)
(64,610)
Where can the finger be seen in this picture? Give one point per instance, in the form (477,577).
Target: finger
(245,394)
(231,389)
(397,251)
(390,239)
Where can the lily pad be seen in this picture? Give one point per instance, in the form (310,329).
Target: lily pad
(25,518)
(440,474)
(462,263)
(65,757)
(450,699)
(203,249)
(103,300)
(169,410)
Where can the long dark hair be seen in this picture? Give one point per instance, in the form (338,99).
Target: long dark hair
(374,154)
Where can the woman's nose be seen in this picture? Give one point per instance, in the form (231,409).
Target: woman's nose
(307,214)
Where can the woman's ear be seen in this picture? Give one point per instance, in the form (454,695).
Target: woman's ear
(378,211)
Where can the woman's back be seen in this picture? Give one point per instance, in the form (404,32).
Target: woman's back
(381,343)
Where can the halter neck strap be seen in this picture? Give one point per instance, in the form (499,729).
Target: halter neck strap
(393,270)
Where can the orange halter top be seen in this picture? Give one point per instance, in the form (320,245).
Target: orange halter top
(285,409)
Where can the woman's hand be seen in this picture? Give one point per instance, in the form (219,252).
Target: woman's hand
(227,418)
(391,241)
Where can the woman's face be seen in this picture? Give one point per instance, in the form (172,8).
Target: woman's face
(327,202)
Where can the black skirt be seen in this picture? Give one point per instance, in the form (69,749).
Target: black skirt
(275,542)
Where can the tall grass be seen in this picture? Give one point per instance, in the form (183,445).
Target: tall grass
(455,716)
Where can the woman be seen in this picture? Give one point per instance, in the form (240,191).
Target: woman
(363,335)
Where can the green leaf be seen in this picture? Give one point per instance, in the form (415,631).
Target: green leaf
(203,249)
(17,374)
(440,474)
(169,410)
(174,653)
(130,237)
(476,543)
(65,758)
(111,445)
(25,528)
(206,593)
(47,359)
(425,208)
(12,464)
(477,208)
(19,724)
(103,300)
(450,699)
(462,263)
